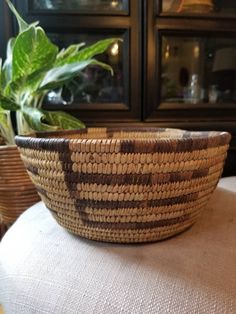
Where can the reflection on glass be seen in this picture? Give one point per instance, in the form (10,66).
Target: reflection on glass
(94,84)
(199,6)
(88,5)
(198,70)
(170,5)
(193,6)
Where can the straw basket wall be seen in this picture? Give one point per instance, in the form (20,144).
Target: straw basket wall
(125,185)
(17,191)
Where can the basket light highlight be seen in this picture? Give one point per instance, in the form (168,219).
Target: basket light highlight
(125,185)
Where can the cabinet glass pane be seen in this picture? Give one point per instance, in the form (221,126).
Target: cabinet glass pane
(198,70)
(94,84)
(220,7)
(79,5)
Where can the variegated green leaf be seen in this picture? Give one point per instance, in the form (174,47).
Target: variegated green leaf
(88,52)
(32,52)
(59,75)
(35,119)
(8,104)
(41,120)
(7,66)
(28,83)
(68,52)
(12,89)
(63,120)
(104,66)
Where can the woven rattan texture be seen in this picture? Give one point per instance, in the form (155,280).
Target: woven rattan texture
(17,192)
(125,185)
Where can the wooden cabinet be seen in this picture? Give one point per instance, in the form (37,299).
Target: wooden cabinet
(176,66)
(182,46)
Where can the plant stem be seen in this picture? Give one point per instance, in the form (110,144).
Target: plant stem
(6,129)
(40,101)
(22,125)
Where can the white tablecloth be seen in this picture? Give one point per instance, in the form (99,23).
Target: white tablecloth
(45,269)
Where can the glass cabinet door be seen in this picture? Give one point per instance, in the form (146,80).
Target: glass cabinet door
(198,70)
(95,84)
(80,6)
(217,7)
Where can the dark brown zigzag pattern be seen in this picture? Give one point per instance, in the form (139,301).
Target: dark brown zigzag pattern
(134,225)
(127,179)
(81,205)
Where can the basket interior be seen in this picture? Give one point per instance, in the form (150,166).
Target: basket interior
(127,133)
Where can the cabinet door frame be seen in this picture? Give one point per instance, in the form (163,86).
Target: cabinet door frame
(6,24)
(32,11)
(188,115)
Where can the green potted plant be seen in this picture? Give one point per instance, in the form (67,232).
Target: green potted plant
(33,67)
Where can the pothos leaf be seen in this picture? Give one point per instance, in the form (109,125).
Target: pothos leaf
(41,120)
(103,65)
(35,119)
(63,120)
(7,66)
(68,52)
(56,77)
(32,52)
(12,88)
(88,52)
(8,104)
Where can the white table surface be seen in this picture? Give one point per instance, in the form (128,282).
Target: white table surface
(45,269)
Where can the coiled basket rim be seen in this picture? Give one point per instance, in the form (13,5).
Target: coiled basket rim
(56,138)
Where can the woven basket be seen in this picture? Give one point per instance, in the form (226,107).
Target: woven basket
(125,185)
(1,140)
(17,192)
